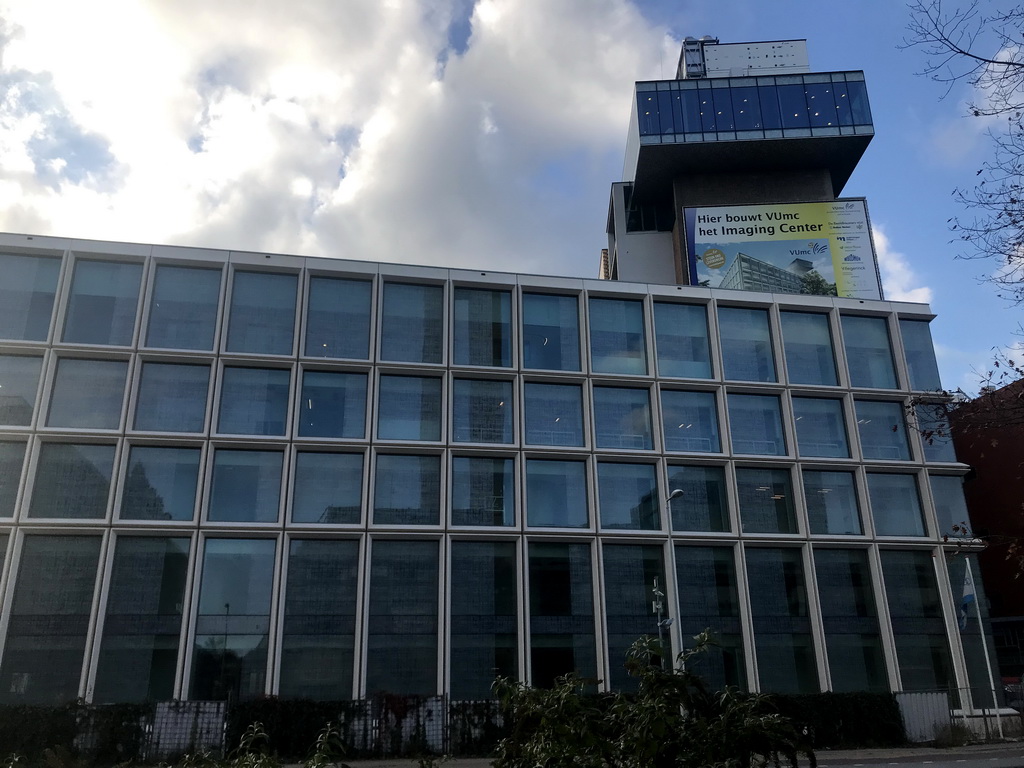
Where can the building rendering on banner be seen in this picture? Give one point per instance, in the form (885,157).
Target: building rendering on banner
(229,474)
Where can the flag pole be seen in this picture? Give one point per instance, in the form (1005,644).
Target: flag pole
(984,643)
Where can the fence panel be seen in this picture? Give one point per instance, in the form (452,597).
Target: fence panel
(924,714)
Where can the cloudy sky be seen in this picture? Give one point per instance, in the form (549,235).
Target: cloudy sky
(450,132)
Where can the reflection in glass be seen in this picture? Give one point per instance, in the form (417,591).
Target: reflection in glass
(412,323)
(328,487)
(850,620)
(551,332)
(556,493)
(401,652)
(246,486)
(338,318)
(766,500)
(409,408)
(26,296)
(709,599)
(746,344)
(561,613)
(895,505)
(333,404)
(820,427)
(229,657)
(690,421)
(12,456)
(918,626)
(554,414)
(807,342)
(318,631)
(703,505)
(19,380)
(160,483)
(782,626)
(407,490)
(254,401)
(262,319)
(172,398)
(681,337)
(936,436)
(617,336)
(484,617)
(984,680)
(101,307)
(755,424)
(481,411)
(950,505)
(868,352)
(882,431)
(628,496)
(139,649)
(49,620)
(831,502)
(483,327)
(87,394)
(622,418)
(183,308)
(72,481)
(920,352)
(483,491)
(630,574)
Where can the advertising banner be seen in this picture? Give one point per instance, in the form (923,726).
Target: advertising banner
(811,248)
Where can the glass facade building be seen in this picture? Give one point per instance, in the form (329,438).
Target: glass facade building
(226,475)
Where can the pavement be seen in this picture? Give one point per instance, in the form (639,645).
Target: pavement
(974,753)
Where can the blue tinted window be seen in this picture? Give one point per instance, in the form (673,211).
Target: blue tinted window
(756,425)
(920,352)
(338,318)
(183,308)
(703,504)
(622,418)
(333,404)
(895,505)
(628,496)
(832,502)
(19,381)
(172,397)
(407,490)
(793,106)
(262,313)
(483,492)
(745,108)
(554,414)
(617,336)
(26,296)
(821,105)
(246,486)
(860,109)
(868,352)
(681,337)
(482,411)
(328,487)
(72,481)
(551,332)
(936,436)
(690,420)
(634,570)
(12,456)
(254,401)
(766,500)
(807,342)
(556,493)
(409,408)
(820,427)
(101,308)
(160,483)
(483,327)
(87,394)
(882,431)
(412,326)
(746,344)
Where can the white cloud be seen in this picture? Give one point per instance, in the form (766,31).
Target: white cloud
(899,281)
(344,129)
